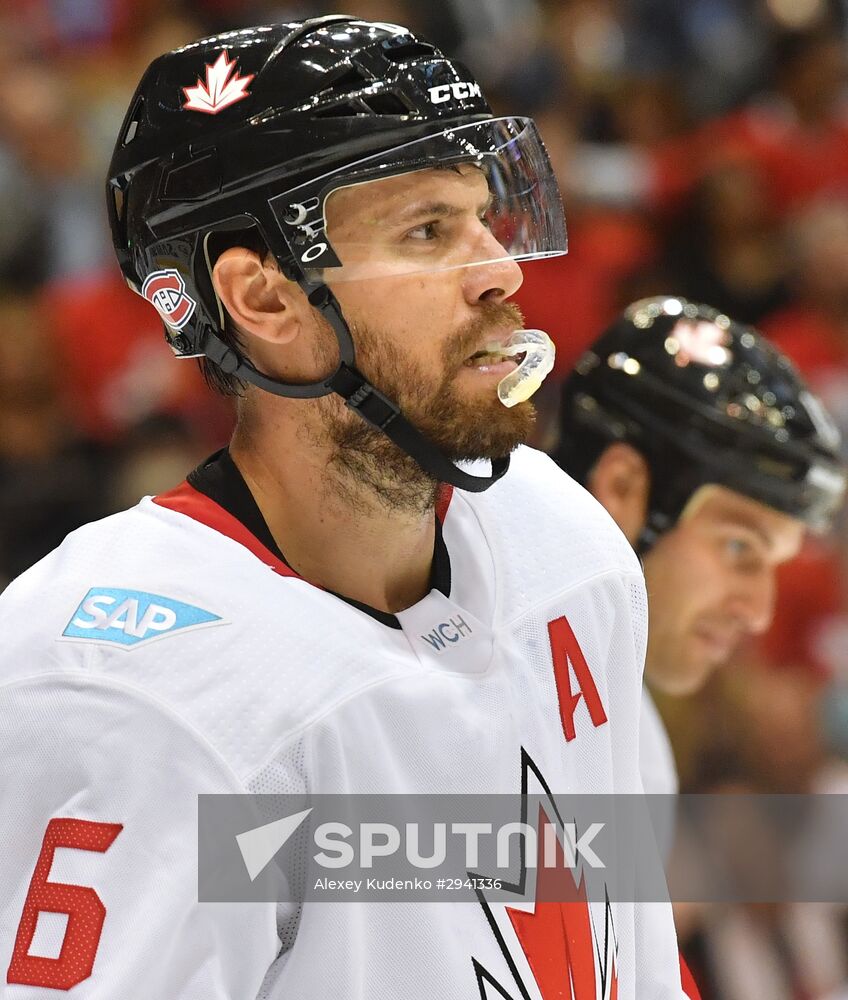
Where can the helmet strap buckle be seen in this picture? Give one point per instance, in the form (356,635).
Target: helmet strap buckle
(361,397)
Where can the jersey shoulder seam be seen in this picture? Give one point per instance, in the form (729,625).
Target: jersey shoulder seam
(616,571)
(302,728)
(142,694)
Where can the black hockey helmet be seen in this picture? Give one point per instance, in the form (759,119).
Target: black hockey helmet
(258,128)
(705,400)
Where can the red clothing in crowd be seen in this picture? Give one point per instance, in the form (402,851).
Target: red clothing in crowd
(574,298)
(813,341)
(809,596)
(811,587)
(797,163)
(116,368)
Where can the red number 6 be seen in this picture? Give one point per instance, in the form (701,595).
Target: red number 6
(82,905)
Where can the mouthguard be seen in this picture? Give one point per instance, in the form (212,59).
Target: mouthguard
(539,353)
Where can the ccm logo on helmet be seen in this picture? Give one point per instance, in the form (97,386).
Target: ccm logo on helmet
(165,290)
(458,91)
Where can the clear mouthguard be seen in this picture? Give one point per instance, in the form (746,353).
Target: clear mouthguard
(539,353)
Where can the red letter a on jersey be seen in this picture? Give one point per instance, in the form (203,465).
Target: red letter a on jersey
(565,649)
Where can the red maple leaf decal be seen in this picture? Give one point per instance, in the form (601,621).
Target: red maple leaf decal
(223,87)
(558,938)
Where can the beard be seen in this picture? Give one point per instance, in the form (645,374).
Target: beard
(464,427)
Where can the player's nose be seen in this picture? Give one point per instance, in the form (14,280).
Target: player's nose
(754,603)
(495,279)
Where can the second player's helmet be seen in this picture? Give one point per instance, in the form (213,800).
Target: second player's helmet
(259,128)
(705,400)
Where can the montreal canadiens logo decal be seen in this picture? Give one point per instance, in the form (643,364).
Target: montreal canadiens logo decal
(165,290)
(222,88)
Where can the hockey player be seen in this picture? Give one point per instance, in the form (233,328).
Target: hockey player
(714,458)
(328,215)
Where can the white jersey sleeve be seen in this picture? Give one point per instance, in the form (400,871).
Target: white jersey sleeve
(656,757)
(99,825)
(659,773)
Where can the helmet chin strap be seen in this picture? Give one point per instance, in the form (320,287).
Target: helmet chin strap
(359,395)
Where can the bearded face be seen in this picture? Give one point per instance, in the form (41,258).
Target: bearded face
(450,396)
(424,286)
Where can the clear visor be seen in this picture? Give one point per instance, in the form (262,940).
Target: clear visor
(478,194)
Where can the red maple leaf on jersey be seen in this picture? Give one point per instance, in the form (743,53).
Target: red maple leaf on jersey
(558,938)
(223,87)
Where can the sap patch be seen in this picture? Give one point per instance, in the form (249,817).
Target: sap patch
(130,618)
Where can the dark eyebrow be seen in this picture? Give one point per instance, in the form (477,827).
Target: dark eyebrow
(440,209)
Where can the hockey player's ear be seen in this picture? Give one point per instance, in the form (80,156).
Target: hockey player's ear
(257,296)
(622,482)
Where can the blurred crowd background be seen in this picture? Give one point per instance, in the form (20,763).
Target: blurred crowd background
(702,150)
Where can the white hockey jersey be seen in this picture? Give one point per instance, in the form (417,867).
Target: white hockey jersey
(168,651)
(656,757)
